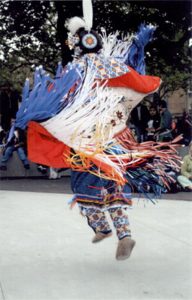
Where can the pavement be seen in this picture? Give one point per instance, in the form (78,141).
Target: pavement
(46,251)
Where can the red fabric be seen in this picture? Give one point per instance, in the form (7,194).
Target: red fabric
(140,83)
(45,149)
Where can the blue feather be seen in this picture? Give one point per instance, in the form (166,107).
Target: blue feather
(136,54)
(25,92)
(146,183)
(59,70)
(47,98)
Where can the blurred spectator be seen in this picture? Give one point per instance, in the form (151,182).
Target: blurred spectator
(175,127)
(15,142)
(139,118)
(174,186)
(153,123)
(2,136)
(42,169)
(186,125)
(156,99)
(185,179)
(54,173)
(9,103)
(164,132)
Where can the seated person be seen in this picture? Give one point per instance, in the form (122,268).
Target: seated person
(185,179)
(2,137)
(153,123)
(163,133)
(139,118)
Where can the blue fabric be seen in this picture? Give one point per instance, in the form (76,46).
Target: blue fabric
(44,102)
(25,92)
(89,184)
(11,134)
(8,153)
(145,182)
(142,181)
(136,55)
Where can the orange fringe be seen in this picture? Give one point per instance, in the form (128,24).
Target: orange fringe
(138,153)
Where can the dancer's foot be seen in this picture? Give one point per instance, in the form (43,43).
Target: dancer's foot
(124,248)
(99,236)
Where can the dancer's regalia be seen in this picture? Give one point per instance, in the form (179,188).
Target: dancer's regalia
(78,120)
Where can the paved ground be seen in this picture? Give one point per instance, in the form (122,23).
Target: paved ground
(46,253)
(41,184)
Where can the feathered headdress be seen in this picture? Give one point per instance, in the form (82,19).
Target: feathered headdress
(80,31)
(75,23)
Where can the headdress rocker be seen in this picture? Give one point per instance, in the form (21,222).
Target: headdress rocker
(85,110)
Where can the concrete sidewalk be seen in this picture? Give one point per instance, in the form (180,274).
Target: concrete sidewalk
(46,252)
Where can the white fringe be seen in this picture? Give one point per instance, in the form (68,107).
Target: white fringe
(87,123)
(112,46)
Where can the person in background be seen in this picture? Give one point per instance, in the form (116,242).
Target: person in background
(54,173)
(186,127)
(163,133)
(15,142)
(2,136)
(175,127)
(42,169)
(9,104)
(185,179)
(5,109)
(139,118)
(153,123)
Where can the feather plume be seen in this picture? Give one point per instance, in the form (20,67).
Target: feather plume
(88,13)
(114,46)
(73,24)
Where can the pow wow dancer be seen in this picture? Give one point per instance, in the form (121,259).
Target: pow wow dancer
(78,121)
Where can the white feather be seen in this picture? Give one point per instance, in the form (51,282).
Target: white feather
(88,13)
(73,24)
(113,46)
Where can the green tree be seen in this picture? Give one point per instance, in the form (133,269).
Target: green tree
(28,38)
(33,33)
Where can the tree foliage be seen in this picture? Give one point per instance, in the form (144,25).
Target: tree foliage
(33,33)
(27,33)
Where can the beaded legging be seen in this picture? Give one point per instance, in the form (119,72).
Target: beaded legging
(97,220)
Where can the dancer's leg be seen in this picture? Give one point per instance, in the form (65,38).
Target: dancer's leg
(121,223)
(120,220)
(98,222)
